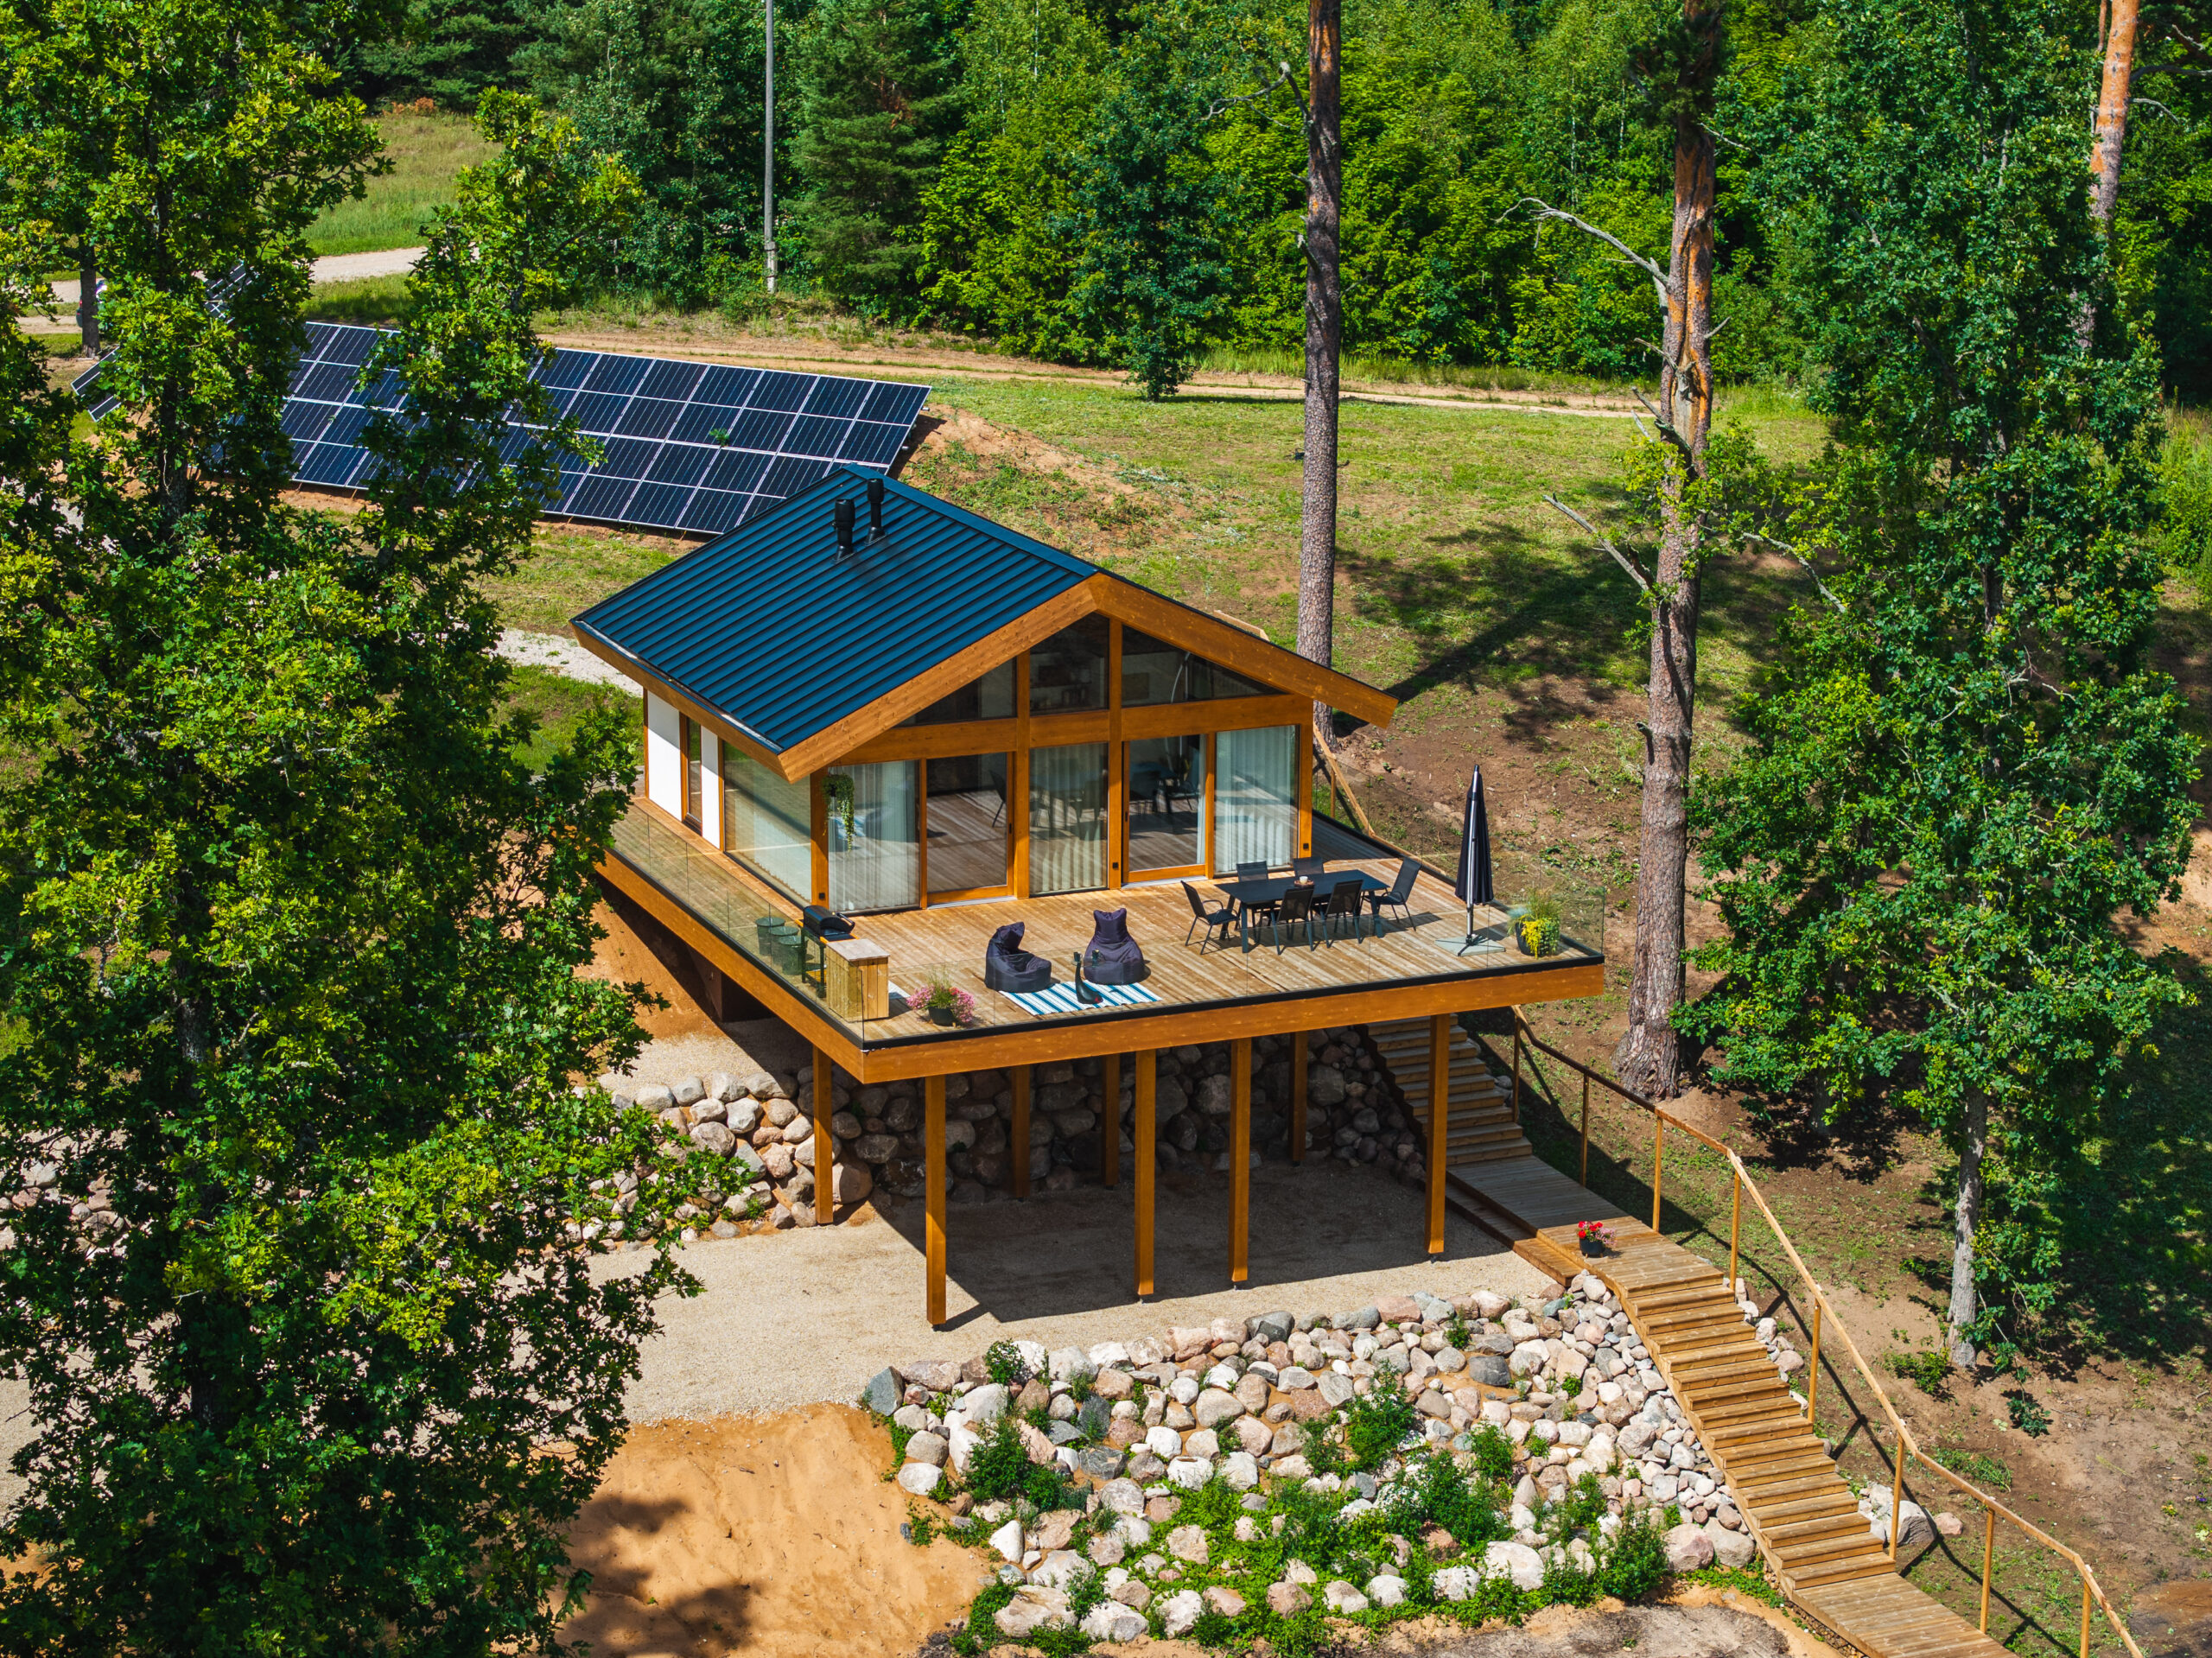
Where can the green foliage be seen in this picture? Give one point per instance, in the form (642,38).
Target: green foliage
(1376,1422)
(1964,771)
(2186,524)
(1435,1491)
(1493,1451)
(999,1467)
(1634,1562)
(1929,1370)
(451,51)
(1456,1335)
(1004,1364)
(674,88)
(2026,1413)
(1974,1466)
(281,898)
(980,1631)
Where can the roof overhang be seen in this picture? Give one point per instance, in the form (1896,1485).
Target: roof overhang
(1228,643)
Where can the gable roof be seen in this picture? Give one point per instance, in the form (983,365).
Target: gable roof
(798,655)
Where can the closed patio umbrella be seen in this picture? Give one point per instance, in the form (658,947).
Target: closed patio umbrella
(1474,884)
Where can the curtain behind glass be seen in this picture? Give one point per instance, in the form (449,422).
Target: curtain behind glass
(1254,796)
(1067,818)
(877,865)
(767,823)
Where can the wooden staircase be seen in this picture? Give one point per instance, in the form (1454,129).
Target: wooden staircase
(1479,1125)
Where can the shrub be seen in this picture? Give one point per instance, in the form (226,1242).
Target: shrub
(1456,1335)
(1634,1564)
(981,1630)
(1493,1452)
(1004,1363)
(1376,1423)
(1000,1465)
(1437,1493)
(2030,1417)
(1929,1371)
(1972,1464)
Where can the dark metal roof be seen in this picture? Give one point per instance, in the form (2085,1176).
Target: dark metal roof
(770,628)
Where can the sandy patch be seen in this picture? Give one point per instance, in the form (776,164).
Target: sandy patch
(773,1537)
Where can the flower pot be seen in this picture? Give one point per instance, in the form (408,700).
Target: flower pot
(942,1016)
(1593,1246)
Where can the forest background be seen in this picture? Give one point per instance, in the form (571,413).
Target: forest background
(951,162)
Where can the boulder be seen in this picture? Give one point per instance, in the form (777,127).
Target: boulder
(920,1478)
(1287,1599)
(1340,1597)
(1386,1590)
(1112,1621)
(1689,1549)
(1489,1370)
(882,1393)
(1070,1365)
(1730,1548)
(1457,1582)
(1294,1379)
(1032,1609)
(1188,1473)
(1240,1470)
(1213,1407)
(927,1447)
(1120,1496)
(934,1375)
(1518,1561)
(1059,1569)
(1180,1613)
(1133,1592)
(980,1407)
(1007,1540)
(1224,1600)
(1188,1543)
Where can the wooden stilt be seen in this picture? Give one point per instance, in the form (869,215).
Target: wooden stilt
(1299,1054)
(1240,1159)
(1109,1125)
(1147,1163)
(933,1190)
(1440,1118)
(825,1143)
(1018,1145)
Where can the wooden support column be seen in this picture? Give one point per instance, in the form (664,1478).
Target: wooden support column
(1019,1145)
(1439,1120)
(1299,1055)
(1147,1161)
(933,1190)
(1110,1124)
(825,1143)
(1240,1159)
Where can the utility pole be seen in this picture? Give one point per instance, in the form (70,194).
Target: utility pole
(768,159)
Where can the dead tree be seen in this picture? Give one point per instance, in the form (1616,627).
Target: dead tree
(1649,1058)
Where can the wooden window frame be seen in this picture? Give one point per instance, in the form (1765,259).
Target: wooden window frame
(922,817)
(690,734)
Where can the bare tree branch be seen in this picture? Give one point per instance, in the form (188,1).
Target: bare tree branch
(1803,563)
(1635,570)
(1267,90)
(1666,427)
(1648,266)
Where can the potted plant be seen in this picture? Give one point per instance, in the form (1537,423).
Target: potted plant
(1536,928)
(1595,1237)
(947,1004)
(838,792)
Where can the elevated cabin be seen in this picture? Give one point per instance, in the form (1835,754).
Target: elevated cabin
(903,715)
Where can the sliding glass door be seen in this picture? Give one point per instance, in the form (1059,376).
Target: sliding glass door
(1067,818)
(1256,797)
(875,861)
(971,832)
(1167,806)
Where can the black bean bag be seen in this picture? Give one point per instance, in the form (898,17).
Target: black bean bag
(1006,966)
(1113,957)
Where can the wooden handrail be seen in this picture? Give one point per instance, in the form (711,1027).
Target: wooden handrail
(1826,1318)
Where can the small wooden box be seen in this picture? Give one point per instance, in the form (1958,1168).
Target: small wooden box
(857,982)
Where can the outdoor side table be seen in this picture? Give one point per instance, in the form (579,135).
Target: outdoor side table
(856,975)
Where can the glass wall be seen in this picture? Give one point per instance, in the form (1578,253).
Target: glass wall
(1067,818)
(1167,803)
(1067,672)
(767,823)
(874,847)
(1153,672)
(990,697)
(969,827)
(1256,797)
(695,749)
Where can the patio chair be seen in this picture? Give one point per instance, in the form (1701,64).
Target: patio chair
(1224,918)
(1252,871)
(1112,956)
(1006,966)
(1309,868)
(1295,908)
(1342,905)
(1399,890)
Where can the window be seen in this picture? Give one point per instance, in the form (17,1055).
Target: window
(694,768)
(990,697)
(1167,803)
(1153,671)
(1254,796)
(767,823)
(1067,672)
(874,847)
(1067,818)
(970,830)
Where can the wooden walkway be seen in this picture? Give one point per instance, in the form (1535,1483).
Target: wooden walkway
(1801,1512)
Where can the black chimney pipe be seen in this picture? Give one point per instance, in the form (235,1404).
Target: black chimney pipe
(845,520)
(874,512)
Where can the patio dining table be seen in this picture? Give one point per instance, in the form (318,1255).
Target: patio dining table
(1246,893)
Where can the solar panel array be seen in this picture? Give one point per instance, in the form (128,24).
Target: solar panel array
(694,447)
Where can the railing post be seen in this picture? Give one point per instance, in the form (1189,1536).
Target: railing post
(2085,1617)
(1658,1152)
(1897,1497)
(1517,1067)
(1735,1220)
(1813,1387)
(1586,1128)
(1989,1560)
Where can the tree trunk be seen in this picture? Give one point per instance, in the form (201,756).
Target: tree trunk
(1324,313)
(1649,1058)
(2112,111)
(1965,1219)
(88,298)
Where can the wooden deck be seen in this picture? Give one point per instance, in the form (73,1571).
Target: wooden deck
(1803,1515)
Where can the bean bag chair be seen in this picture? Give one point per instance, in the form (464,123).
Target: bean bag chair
(1006,966)
(1113,957)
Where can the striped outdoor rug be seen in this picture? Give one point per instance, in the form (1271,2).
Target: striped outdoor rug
(1060,998)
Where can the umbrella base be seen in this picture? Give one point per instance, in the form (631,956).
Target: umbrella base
(1484,942)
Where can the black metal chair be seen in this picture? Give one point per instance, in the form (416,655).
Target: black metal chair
(1295,908)
(1309,868)
(1342,905)
(1395,897)
(1223,918)
(1252,871)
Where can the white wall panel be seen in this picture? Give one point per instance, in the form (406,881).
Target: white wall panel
(664,756)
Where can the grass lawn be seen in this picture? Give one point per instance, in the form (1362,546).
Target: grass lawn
(560,703)
(427,152)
